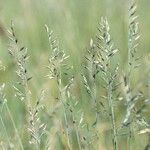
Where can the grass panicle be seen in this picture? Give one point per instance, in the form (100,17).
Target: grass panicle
(20,56)
(92,70)
(109,75)
(22,91)
(36,128)
(57,61)
(132,96)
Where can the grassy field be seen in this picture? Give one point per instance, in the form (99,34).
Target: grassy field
(73,110)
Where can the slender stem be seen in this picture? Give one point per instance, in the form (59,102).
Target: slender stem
(12,120)
(129,138)
(94,95)
(112,117)
(37,146)
(3,124)
(92,74)
(78,138)
(61,97)
(130,45)
(76,127)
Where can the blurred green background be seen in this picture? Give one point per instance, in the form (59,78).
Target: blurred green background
(74,22)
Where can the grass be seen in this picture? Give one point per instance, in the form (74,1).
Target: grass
(91,99)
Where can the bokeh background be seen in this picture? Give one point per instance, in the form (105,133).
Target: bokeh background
(74,22)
